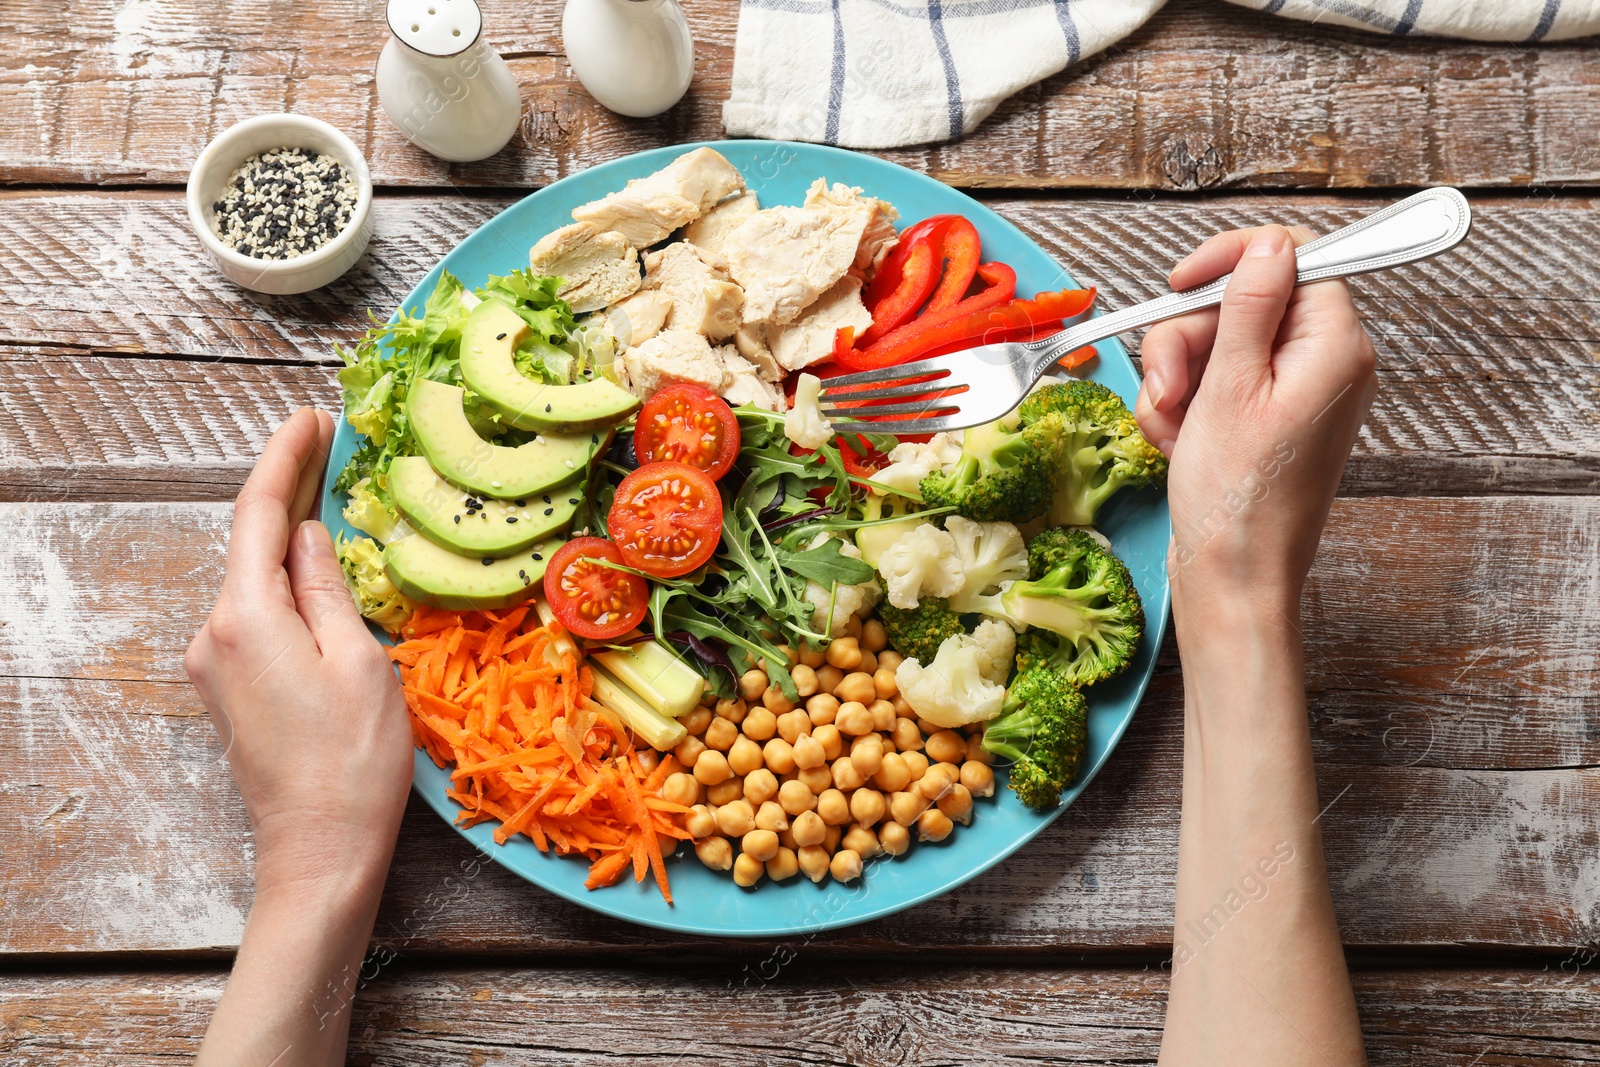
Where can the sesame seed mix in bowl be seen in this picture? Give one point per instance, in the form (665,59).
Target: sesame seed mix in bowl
(284,204)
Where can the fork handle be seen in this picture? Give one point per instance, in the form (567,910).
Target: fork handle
(1416,228)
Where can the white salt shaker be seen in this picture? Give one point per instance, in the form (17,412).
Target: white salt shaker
(441,83)
(634,56)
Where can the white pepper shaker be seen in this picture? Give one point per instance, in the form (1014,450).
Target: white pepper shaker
(441,83)
(634,56)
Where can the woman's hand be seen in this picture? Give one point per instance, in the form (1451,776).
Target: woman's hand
(303,697)
(1257,400)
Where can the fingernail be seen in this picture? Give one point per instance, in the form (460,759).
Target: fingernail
(314,540)
(1268,242)
(1156,386)
(1166,446)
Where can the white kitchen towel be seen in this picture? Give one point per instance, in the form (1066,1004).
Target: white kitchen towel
(884,73)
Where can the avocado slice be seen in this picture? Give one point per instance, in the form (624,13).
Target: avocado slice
(477,526)
(455,450)
(488,340)
(434,575)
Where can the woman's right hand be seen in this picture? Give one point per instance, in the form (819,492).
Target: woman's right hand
(1257,403)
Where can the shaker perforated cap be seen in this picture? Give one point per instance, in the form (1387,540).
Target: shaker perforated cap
(435,27)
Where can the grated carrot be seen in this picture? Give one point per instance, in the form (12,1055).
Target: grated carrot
(506,701)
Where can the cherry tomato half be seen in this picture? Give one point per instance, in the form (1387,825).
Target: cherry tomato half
(591,599)
(690,424)
(666,519)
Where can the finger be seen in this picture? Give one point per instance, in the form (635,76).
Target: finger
(1217,255)
(310,486)
(259,540)
(1253,306)
(1174,354)
(320,595)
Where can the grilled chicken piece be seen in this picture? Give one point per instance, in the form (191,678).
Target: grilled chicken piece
(673,356)
(745,385)
(710,231)
(648,209)
(787,257)
(640,317)
(751,341)
(810,339)
(600,268)
(877,238)
(703,299)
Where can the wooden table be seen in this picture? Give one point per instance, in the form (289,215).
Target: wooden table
(1452,622)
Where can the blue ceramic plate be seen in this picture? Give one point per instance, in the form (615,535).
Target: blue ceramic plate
(1137,523)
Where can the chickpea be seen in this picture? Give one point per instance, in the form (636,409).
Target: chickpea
(883,716)
(844,653)
(796,797)
(946,746)
(783,865)
(808,752)
(868,757)
(845,865)
(745,756)
(854,718)
(813,860)
(812,657)
(688,751)
(894,839)
(874,636)
(790,653)
(816,778)
(856,686)
(852,627)
(902,707)
(884,684)
(793,724)
(869,662)
(893,774)
(917,764)
(957,804)
(976,753)
(752,684)
(708,698)
(760,724)
(697,721)
(712,768)
(833,808)
(868,806)
(822,708)
(786,839)
(862,841)
(715,852)
(907,738)
(649,758)
(724,792)
(831,837)
(779,755)
(828,677)
(721,734)
(933,825)
(936,783)
(808,829)
(977,778)
(700,822)
(747,871)
(927,728)
(776,701)
(905,806)
(703,796)
(736,819)
(805,680)
(732,709)
(831,740)
(889,660)
(760,786)
(845,775)
(760,845)
(680,788)
(769,816)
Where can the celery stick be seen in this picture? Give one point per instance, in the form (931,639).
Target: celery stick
(655,672)
(657,730)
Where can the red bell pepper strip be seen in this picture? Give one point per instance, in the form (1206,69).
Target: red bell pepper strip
(887,280)
(959,245)
(932,328)
(918,275)
(1021,320)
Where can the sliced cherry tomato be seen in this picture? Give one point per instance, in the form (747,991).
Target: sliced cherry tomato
(666,519)
(591,599)
(690,424)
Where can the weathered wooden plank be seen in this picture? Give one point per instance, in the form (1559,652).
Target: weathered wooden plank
(1205,95)
(802,1014)
(1442,719)
(1490,375)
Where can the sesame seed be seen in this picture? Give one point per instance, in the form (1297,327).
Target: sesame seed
(548,511)
(513,518)
(284,203)
(547,409)
(499,337)
(537,556)
(458,518)
(487,561)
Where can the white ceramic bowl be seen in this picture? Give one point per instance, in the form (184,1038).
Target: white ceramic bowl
(264,132)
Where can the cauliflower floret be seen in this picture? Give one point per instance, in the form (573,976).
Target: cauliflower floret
(991,553)
(965,683)
(923,562)
(912,461)
(849,600)
(805,424)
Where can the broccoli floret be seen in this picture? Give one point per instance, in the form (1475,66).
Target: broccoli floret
(918,632)
(1043,729)
(1095,448)
(1004,474)
(1083,615)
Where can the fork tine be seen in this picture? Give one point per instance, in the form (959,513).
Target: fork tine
(893,391)
(893,426)
(918,407)
(922,368)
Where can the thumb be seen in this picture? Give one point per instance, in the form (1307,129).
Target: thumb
(320,594)
(1253,306)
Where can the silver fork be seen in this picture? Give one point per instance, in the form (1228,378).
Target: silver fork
(979,385)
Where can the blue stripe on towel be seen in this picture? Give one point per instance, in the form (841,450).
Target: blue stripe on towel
(1070,29)
(1349,10)
(1547,18)
(1274,6)
(952,80)
(1409,19)
(830,134)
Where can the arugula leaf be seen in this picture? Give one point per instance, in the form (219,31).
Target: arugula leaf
(826,564)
